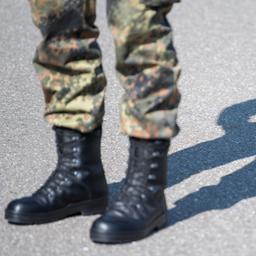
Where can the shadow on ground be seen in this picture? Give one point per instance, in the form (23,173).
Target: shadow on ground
(238,142)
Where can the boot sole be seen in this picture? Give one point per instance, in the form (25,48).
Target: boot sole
(96,206)
(117,238)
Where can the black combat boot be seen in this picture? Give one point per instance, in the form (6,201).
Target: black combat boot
(140,207)
(77,186)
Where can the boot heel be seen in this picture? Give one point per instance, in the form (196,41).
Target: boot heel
(97,206)
(161,222)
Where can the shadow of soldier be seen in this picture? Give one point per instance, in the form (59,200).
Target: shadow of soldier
(238,142)
(232,188)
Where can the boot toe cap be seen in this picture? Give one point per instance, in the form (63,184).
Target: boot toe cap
(109,229)
(21,206)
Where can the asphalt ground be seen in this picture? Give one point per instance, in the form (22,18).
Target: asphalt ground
(212,168)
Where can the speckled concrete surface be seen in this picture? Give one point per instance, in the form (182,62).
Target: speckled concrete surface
(212,179)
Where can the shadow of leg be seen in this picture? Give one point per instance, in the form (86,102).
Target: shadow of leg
(238,142)
(232,189)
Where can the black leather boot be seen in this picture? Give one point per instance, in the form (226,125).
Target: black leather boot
(140,207)
(76,186)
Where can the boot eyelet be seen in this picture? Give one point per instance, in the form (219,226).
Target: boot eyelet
(76,173)
(155,154)
(151,177)
(59,190)
(74,138)
(75,161)
(139,206)
(49,190)
(67,182)
(143,196)
(153,165)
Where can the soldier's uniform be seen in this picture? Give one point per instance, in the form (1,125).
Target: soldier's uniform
(68,63)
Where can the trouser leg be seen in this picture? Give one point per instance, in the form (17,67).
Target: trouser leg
(68,63)
(147,66)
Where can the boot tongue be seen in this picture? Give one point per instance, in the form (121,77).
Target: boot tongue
(68,148)
(145,148)
(143,160)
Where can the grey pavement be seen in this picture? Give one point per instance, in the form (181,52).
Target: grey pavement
(212,179)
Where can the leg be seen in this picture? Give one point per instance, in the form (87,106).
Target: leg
(69,66)
(68,63)
(148,68)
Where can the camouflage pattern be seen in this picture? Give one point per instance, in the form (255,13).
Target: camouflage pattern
(68,63)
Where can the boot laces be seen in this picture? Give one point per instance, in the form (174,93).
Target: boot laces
(133,192)
(62,175)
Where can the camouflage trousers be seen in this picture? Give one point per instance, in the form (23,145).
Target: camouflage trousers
(68,64)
